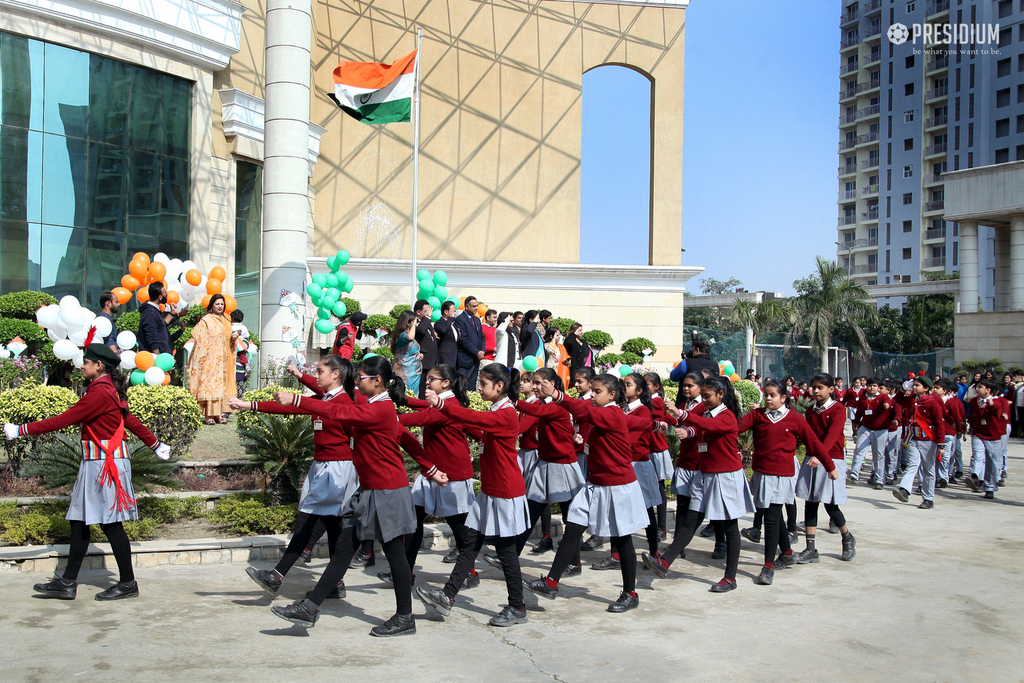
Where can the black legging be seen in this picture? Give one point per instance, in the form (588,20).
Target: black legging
(653,531)
(774,537)
(305,526)
(834,513)
(623,545)
(731,529)
(545,521)
(687,523)
(319,530)
(537,511)
(505,549)
(394,550)
(790,517)
(663,509)
(120,546)
(457,523)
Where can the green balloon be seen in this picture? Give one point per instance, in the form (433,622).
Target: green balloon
(313,289)
(332,280)
(333,292)
(530,363)
(440,278)
(434,301)
(435,315)
(454,299)
(138,377)
(341,257)
(441,292)
(730,369)
(165,362)
(427,286)
(323,326)
(342,277)
(423,274)
(315,298)
(328,302)
(320,279)
(323,314)
(332,263)
(349,284)
(625,371)
(340,309)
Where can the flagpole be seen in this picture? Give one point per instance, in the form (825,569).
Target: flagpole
(416,162)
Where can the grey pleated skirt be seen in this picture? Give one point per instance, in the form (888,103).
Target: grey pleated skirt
(95,504)
(442,501)
(380,514)
(328,486)
(650,485)
(683,481)
(502,517)
(663,465)
(609,510)
(813,484)
(581,460)
(528,459)
(721,495)
(768,489)
(552,482)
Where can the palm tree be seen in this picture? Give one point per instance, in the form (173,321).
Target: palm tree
(282,447)
(758,318)
(827,298)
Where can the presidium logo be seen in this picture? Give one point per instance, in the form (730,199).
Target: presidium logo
(898,34)
(948,34)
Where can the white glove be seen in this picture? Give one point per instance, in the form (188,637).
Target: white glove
(163,451)
(11,431)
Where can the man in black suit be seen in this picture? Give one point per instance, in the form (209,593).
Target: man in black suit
(447,336)
(426,338)
(698,360)
(471,341)
(154,335)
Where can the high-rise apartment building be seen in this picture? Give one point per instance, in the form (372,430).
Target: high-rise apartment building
(926,86)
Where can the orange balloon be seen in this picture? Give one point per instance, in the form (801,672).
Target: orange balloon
(122,294)
(193,277)
(206,300)
(143,294)
(213,286)
(130,282)
(141,256)
(462,303)
(217,273)
(157,270)
(138,269)
(162,307)
(144,360)
(481,310)
(229,303)
(734,377)
(172,297)
(167,379)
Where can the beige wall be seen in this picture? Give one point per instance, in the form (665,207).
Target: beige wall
(982,336)
(501,123)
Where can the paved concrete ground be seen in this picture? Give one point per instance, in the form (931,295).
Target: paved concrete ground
(931,596)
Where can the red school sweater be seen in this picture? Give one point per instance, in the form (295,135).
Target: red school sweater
(689,455)
(658,441)
(827,423)
(874,412)
(640,440)
(444,442)
(718,429)
(333,440)
(610,460)
(775,441)
(924,416)
(953,415)
(528,427)
(989,417)
(500,476)
(554,431)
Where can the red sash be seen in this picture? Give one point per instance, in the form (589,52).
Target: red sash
(109,473)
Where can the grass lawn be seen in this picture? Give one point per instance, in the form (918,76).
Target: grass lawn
(217,442)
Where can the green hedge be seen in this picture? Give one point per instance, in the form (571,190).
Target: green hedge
(637,345)
(171,413)
(24,304)
(397,310)
(563,325)
(351,305)
(378,321)
(598,340)
(31,403)
(248,515)
(247,418)
(748,393)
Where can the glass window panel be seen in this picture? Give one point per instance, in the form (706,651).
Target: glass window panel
(152,243)
(105,264)
(109,87)
(145,121)
(248,218)
(143,193)
(65,91)
(19,256)
(107,186)
(21,173)
(62,261)
(21,82)
(174,182)
(64,182)
(177,116)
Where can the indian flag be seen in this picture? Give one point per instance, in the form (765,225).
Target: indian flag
(376,93)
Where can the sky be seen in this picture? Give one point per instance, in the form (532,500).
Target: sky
(759,146)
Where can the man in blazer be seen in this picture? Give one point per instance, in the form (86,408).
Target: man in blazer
(426,338)
(471,341)
(447,336)
(154,335)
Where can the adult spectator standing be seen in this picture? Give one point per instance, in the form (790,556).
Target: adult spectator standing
(348,332)
(580,354)
(447,336)
(529,340)
(471,341)
(211,365)
(154,326)
(542,330)
(507,349)
(516,327)
(426,338)
(108,308)
(698,359)
(490,329)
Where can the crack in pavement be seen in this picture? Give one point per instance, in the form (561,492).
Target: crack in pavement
(526,652)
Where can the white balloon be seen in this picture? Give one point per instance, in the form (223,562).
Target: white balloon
(154,376)
(79,359)
(126,339)
(54,336)
(103,328)
(48,316)
(188,265)
(65,349)
(127,360)
(78,338)
(4,353)
(73,318)
(69,303)
(161,257)
(173,285)
(88,316)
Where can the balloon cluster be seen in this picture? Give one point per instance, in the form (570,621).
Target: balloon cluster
(325,292)
(185,284)
(434,290)
(145,367)
(727,369)
(68,325)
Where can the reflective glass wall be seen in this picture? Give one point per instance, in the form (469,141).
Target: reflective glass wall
(248,219)
(94,166)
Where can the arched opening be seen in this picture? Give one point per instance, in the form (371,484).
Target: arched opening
(615,176)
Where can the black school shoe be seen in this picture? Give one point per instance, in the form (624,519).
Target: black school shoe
(655,564)
(336,593)
(941,484)
(926,505)
(386,578)
(436,598)
(973,483)
(707,531)
(57,588)
(784,561)
(119,591)
(808,556)
(625,603)
(510,616)
(361,559)
(572,570)
(492,560)
(592,543)
(849,547)
(306,556)
(719,552)
(264,578)
(540,587)
(545,545)
(989,495)
(302,612)
(901,494)
(723,586)
(395,626)
(451,556)
(753,534)
(765,577)
(605,564)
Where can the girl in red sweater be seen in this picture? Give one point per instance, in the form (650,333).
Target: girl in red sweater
(776,432)
(611,504)
(660,455)
(499,511)
(528,458)
(381,507)
(722,493)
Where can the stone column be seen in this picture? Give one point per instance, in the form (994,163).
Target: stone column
(968,266)
(1002,263)
(285,168)
(1017,263)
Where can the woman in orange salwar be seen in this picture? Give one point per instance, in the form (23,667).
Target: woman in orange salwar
(211,365)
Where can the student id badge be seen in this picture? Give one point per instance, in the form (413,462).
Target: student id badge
(318,425)
(984,422)
(869,412)
(702,448)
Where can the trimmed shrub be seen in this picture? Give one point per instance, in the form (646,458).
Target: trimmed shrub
(563,325)
(748,394)
(598,340)
(24,304)
(32,403)
(128,321)
(168,510)
(171,413)
(248,418)
(607,359)
(377,322)
(384,352)
(397,310)
(351,305)
(248,515)
(638,345)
